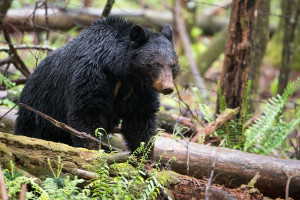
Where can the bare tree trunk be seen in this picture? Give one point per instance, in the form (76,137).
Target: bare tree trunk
(107,8)
(238,52)
(291,9)
(4,6)
(199,82)
(260,42)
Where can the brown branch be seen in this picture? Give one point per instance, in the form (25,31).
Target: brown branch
(85,174)
(186,105)
(225,116)
(107,8)
(23,192)
(252,120)
(8,111)
(3,190)
(25,47)
(7,60)
(18,81)
(18,62)
(67,128)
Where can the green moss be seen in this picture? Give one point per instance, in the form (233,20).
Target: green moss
(167,178)
(126,169)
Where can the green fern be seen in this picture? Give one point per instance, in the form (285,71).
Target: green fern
(208,114)
(269,131)
(222,100)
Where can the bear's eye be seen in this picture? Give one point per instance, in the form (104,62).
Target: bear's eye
(158,65)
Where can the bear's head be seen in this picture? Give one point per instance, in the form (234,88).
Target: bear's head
(153,58)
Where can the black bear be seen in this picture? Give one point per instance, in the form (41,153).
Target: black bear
(114,70)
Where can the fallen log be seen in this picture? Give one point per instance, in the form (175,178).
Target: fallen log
(65,19)
(233,168)
(31,154)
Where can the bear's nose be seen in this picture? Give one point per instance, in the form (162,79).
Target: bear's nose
(167,90)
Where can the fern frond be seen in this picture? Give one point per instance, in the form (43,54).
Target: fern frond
(222,100)
(270,130)
(208,114)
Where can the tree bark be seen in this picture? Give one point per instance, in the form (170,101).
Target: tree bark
(260,43)
(291,9)
(108,6)
(4,6)
(238,52)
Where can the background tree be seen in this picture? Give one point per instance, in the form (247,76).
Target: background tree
(238,52)
(291,10)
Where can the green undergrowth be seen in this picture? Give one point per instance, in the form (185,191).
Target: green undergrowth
(114,181)
(266,133)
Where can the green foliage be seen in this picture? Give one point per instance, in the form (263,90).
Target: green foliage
(122,186)
(233,130)
(52,188)
(13,90)
(270,130)
(7,83)
(222,100)
(208,114)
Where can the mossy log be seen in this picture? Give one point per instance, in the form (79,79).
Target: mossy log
(232,168)
(30,157)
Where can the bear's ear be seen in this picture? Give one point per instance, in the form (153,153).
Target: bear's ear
(137,35)
(168,32)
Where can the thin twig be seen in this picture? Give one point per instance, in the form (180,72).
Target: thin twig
(225,116)
(26,47)
(3,189)
(67,128)
(212,171)
(8,112)
(19,64)
(187,106)
(47,22)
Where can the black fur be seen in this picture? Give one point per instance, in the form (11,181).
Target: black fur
(76,83)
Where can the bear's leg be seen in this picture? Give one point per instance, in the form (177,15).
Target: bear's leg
(139,128)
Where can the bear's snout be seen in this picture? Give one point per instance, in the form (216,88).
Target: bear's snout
(164,83)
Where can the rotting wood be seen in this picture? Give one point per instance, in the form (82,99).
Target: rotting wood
(233,167)
(238,52)
(224,117)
